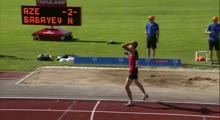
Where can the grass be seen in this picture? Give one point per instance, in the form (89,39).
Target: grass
(181,26)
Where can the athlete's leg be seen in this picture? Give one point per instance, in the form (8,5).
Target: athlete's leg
(127,88)
(140,86)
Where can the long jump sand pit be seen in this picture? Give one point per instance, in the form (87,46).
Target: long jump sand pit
(192,82)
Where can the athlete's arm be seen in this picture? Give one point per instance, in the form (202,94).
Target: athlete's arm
(126,47)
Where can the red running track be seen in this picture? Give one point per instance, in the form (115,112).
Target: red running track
(11,75)
(27,109)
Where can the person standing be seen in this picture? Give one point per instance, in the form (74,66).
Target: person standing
(152,33)
(213,30)
(133,71)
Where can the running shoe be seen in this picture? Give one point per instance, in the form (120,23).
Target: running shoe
(129,104)
(145,97)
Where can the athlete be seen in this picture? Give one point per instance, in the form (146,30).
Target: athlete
(133,71)
(213,39)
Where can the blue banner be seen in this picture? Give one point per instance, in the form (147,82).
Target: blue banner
(124,61)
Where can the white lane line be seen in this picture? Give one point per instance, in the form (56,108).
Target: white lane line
(161,114)
(117,100)
(67,110)
(93,111)
(90,68)
(161,69)
(27,76)
(111,112)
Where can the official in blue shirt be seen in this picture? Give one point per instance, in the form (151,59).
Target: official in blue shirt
(213,30)
(152,33)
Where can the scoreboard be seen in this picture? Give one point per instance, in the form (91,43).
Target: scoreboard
(40,15)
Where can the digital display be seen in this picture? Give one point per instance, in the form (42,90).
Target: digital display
(39,15)
(49,3)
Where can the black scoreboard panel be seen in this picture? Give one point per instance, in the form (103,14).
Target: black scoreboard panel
(39,15)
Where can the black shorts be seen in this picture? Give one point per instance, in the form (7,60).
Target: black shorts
(133,74)
(213,44)
(152,42)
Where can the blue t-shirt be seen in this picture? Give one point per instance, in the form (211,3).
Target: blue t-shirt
(152,29)
(215,29)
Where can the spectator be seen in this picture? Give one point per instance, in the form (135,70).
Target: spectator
(213,30)
(152,33)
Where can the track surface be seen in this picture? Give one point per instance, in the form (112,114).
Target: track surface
(61,109)
(42,109)
(6,75)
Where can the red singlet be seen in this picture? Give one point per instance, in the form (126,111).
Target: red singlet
(132,62)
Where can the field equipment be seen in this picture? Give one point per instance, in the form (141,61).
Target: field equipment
(201,58)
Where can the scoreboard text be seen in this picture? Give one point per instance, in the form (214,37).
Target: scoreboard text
(53,3)
(38,15)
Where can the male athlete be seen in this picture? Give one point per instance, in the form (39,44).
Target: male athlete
(133,71)
(214,38)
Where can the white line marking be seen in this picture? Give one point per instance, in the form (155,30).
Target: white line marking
(93,111)
(162,114)
(141,68)
(67,110)
(117,100)
(111,112)
(27,76)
